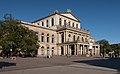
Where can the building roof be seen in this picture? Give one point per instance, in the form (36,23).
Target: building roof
(64,14)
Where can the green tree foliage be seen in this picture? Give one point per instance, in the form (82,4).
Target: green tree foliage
(104,46)
(116,48)
(14,36)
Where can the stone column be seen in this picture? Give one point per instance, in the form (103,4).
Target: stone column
(81,49)
(67,49)
(76,49)
(59,36)
(70,50)
(98,50)
(64,36)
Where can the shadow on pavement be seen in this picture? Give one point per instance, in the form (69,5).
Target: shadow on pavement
(113,63)
(6,64)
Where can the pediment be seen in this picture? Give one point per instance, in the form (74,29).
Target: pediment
(69,15)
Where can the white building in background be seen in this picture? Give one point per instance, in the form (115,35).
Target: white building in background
(60,34)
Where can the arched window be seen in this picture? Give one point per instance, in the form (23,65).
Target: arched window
(47,37)
(42,47)
(78,38)
(52,38)
(74,38)
(52,21)
(82,39)
(42,50)
(64,22)
(69,23)
(86,40)
(69,37)
(60,21)
(42,37)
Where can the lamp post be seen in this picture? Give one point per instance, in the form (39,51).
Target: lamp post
(10,52)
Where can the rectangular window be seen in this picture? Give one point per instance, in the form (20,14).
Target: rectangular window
(69,23)
(47,39)
(76,25)
(52,40)
(60,21)
(42,23)
(47,23)
(52,22)
(73,25)
(64,22)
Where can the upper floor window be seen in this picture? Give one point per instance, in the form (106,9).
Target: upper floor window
(52,22)
(42,33)
(52,38)
(46,23)
(52,35)
(47,37)
(38,24)
(42,23)
(62,37)
(60,21)
(69,23)
(76,25)
(47,34)
(82,39)
(69,37)
(64,22)
(74,38)
(86,40)
(73,25)
(78,38)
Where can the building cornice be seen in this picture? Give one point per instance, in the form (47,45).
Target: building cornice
(76,30)
(38,26)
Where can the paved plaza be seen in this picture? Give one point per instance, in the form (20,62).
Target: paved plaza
(60,65)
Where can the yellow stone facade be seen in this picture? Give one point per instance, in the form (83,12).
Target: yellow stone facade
(60,34)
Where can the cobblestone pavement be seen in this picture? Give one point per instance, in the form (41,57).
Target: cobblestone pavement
(54,65)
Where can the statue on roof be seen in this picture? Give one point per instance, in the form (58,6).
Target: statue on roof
(68,10)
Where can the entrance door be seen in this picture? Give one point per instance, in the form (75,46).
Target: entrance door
(72,50)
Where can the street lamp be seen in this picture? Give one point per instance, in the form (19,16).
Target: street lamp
(10,52)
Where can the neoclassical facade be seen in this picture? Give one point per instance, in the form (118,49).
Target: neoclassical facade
(60,34)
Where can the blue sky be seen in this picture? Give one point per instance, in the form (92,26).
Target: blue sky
(101,17)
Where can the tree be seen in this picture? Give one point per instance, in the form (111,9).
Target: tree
(116,49)
(104,46)
(14,36)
